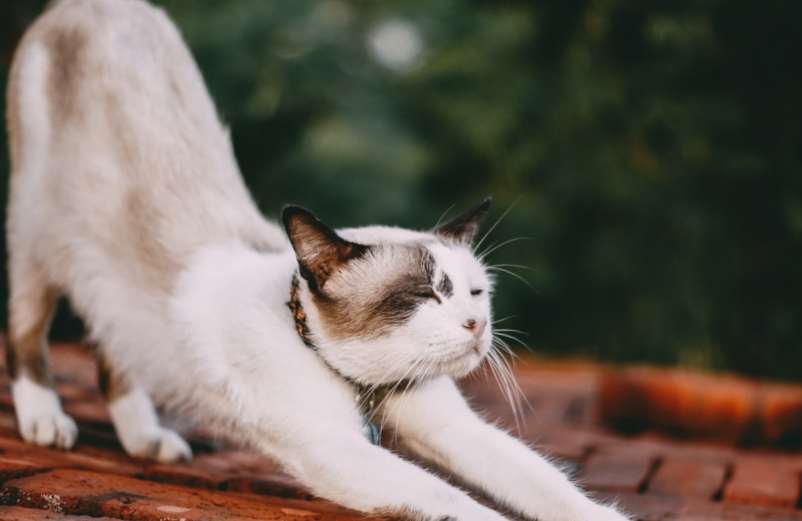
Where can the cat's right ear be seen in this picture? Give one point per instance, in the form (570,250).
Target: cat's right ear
(318,248)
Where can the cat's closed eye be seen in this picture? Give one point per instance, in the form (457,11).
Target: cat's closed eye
(476,292)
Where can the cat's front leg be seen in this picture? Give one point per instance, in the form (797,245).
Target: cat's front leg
(342,466)
(435,422)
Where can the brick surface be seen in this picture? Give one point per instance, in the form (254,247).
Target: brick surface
(33,514)
(94,494)
(692,404)
(781,414)
(688,478)
(763,482)
(723,408)
(663,473)
(617,471)
(665,508)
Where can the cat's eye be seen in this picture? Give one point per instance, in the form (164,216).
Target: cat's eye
(476,292)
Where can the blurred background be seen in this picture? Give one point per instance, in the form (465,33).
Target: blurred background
(649,153)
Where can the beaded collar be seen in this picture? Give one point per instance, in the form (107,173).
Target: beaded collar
(368,397)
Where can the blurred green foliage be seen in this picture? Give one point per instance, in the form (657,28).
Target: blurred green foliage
(650,152)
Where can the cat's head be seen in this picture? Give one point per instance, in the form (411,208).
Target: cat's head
(387,304)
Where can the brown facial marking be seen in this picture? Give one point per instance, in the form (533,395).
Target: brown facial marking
(445,286)
(390,306)
(319,250)
(112,384)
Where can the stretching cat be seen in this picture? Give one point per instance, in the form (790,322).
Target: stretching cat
(126,197)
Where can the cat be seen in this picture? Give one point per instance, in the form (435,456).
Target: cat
(294,339)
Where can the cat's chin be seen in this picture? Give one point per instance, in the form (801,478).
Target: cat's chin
(462,365)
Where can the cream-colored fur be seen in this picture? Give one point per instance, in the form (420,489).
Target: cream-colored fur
(126,197)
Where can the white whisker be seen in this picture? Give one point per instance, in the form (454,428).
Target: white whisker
(495,247)
(490,230)
(500,320)
(518,266)
(512,274)
(442,216)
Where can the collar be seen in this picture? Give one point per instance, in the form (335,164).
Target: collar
(368,397)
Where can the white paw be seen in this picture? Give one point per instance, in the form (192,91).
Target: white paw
(57,429)
(138,428)
(39,416)
(158,444)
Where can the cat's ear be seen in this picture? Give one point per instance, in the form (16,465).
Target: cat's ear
(464,227)
(318,248)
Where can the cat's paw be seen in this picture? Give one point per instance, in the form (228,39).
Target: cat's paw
(55,429)
(160,444)
(40,419)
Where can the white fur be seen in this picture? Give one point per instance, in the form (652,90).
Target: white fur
(39,415)
(198,314)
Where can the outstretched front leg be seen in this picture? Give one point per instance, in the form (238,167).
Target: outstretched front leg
(435,422)
(340,464)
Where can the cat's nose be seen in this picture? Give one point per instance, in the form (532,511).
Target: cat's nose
(477,327)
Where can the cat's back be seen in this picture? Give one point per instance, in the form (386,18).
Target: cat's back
(113,134)
(110,62)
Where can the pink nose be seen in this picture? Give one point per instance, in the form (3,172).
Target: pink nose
(477,327)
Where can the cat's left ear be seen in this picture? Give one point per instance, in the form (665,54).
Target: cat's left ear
(464,227)
(318,248)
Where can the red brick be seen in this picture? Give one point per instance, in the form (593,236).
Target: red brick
(93,412)
(781,414)
(763,483)
(695,404)
(277,485)
(183,474)
(14,467)
(34,514)
(567,444)
(646,507)
(8,424)
(231,470)
(89,493)
(5,398)
(685,478)
(74,363)
(236,462)
(70,391)
(616,471)
(570,444)
(85,457)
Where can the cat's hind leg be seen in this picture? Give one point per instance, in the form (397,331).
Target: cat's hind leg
(135,419)
(40,419)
